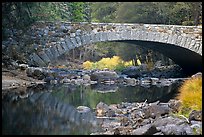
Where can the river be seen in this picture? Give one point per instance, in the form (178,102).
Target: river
(51,109)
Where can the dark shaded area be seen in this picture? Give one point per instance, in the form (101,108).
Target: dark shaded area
(188,60)
(44,113)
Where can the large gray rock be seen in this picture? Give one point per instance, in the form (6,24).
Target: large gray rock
(36,73)
(155,111)
(197,127)
(148,129)
(133,71)
(104,76)
(168,120)
(173,129)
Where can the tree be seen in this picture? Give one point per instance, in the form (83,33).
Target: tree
(196,12)
(104,11)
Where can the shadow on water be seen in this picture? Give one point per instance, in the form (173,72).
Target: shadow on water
(51,109)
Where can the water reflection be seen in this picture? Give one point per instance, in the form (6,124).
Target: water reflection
(51,109)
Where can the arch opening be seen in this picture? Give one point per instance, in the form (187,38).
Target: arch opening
(188,60)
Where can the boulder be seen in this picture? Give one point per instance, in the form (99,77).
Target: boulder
(154,111)
(103,76)
(197,127)
(173,129)
(148,129)
(132,72)
(199,74)
(101,109)
(174,105)
(168,120)
(36,73)
(195,115)
(29,71)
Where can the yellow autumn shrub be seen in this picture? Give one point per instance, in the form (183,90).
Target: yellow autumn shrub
(128,63)
(87,65)
(190,94)
(104,63)
(114,63)
(138,62)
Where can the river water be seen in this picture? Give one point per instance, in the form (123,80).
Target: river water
(51,109)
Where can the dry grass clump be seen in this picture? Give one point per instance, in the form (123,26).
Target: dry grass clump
(190,94)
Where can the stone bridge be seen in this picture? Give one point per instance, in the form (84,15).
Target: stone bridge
(183,44)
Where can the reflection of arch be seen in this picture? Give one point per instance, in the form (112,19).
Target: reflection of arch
(170,40)
(63,110)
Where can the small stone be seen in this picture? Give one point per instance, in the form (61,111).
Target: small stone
(83,109)
(23,66)
(78,32)
(86,77)
(72,35)
(195,115)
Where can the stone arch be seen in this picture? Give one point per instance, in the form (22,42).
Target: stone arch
(179,37)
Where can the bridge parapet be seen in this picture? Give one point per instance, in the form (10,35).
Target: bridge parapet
(68,28)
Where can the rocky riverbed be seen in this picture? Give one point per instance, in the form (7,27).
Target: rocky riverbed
(144,118)
(87,77)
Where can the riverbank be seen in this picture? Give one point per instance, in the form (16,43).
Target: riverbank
(15,78)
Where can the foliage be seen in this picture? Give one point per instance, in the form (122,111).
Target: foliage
(114,63)
(19,15)
(80,11)
(174,13)
(104,11)
(138,62)
(190,94)
(87,65)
